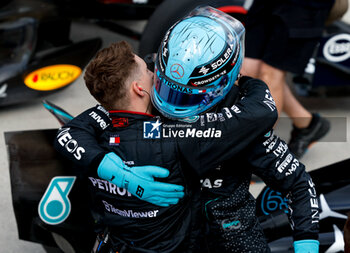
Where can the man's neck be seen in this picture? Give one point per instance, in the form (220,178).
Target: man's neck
(136,103)
(139,108)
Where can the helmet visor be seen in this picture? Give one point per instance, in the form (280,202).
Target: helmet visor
(177,94)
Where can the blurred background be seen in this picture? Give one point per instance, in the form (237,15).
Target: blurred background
(75,98)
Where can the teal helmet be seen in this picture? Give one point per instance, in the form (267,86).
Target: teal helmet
(198,61)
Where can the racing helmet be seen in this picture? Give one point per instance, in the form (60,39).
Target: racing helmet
(198,61)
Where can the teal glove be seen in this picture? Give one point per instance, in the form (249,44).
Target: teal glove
(139,181)
(306,246)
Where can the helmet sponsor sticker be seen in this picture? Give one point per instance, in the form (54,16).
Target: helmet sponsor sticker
(210,68)
(54,206)
(222,59)
(337,48)
(203,70)
(177,71)
(52,77)
(174,86)
(208,79)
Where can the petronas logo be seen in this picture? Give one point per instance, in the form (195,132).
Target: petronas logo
(54,206)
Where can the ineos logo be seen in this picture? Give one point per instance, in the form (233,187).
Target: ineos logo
(337,48)
(177,71)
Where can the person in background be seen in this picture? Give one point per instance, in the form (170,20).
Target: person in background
(281,37)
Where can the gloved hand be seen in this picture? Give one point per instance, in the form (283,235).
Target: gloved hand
(306,246)
(139,181)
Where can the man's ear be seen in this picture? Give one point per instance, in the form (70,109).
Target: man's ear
(137,88)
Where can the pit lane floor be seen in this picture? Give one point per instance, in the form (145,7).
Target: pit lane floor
(76,98)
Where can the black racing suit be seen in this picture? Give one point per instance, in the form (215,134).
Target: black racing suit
(239,126)
(230,208)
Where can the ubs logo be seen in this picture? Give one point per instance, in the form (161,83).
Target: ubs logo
(337,48)
(177,71)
